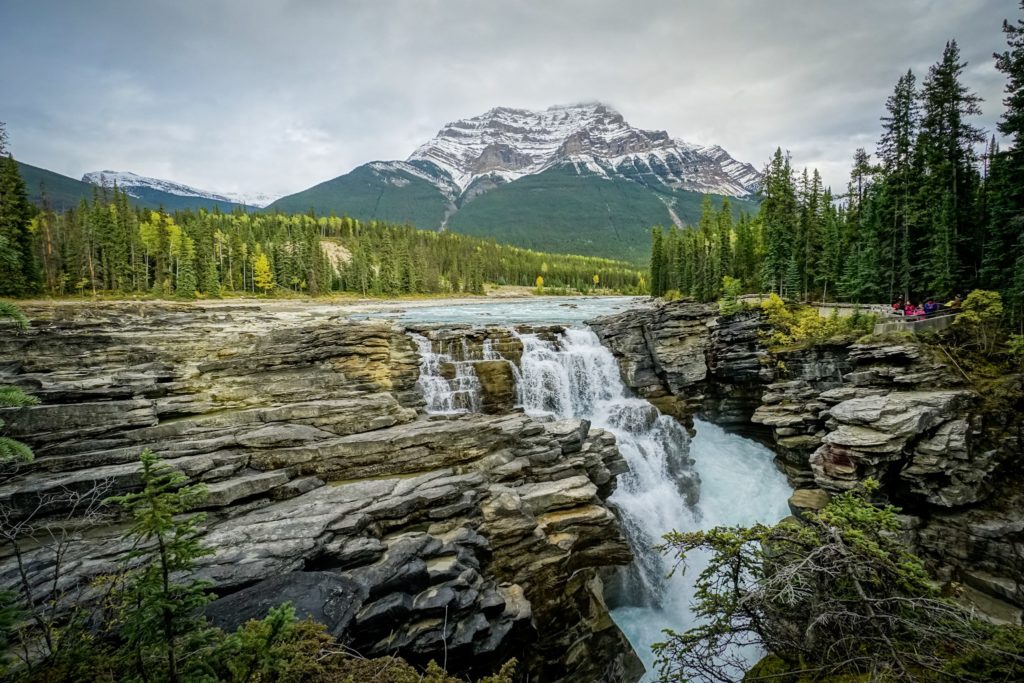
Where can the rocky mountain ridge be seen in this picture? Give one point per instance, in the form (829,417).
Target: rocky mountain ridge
(143,187)
(505,144)
(567,179)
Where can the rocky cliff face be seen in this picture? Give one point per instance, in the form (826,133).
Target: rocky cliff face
(479,536)
(840,412)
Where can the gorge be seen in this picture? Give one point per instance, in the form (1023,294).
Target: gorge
(475,493)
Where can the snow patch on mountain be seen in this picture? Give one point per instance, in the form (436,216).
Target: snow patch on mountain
(505,144)
(133,183)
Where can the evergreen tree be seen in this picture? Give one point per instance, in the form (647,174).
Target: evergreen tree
(900,177)
(186,284)
(946,145)
(778,217)
(1004,240)
(658,275)
(18,274)
(724,238)
(159,607)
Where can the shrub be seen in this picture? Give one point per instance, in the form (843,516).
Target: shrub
(730,304)
(981,319)
(795,325)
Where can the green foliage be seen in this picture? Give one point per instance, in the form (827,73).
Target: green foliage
(692,262)
(730,304)
(981,318)
(923,222)
(12,450)
(10,615)
(106,246)
(795,325)
(1015,347)
(19,274)
(158,609)
(835,596)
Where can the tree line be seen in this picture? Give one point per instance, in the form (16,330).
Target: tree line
(930,216)
(105,245)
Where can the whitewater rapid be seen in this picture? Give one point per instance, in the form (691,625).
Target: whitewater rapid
(674,482)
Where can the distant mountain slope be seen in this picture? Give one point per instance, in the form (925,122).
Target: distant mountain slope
(570,178)
(173,196)
(567,210)
(62,192)
(398,194)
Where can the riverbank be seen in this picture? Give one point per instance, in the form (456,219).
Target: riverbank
(342,304)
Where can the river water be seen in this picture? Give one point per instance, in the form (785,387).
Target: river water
(674,481)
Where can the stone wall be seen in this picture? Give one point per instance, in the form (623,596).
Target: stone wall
(478,536)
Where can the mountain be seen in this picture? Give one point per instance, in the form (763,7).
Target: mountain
(575,178)
(62,192)
(172,196)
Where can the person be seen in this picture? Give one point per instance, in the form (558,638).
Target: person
(957,300)
(919,312)
(930,307)
(897,306)
(908,309)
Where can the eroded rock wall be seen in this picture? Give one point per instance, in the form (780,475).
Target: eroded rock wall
(839,412)
(479,536)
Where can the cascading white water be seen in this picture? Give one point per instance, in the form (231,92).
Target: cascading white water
(449,396)
(673,483)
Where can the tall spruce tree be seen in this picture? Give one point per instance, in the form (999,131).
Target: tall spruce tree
(778,217)
(1004,239)
(658,275)
(900,177)
(948,190)
(161,603)
(19,274)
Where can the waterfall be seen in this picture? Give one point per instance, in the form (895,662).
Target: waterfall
(577,377)
(674,482)
(449,384)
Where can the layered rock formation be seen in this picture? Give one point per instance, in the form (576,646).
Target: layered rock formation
(840,412)
(478,536)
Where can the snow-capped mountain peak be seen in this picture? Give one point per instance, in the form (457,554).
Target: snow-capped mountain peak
(133,183)
(504,144)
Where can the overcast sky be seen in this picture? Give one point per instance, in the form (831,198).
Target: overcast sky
(277,95)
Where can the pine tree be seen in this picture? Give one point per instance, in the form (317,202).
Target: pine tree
(724,241)
(1004,266)
(19,274)
(745,262)
(185,285)
(658,275)
(159,608)
(946,145)
(778,216)
(900,177)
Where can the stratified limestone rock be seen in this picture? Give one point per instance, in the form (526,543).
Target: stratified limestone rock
(807,500)
(497,385)
(479,536)
(661,350)
(840,412)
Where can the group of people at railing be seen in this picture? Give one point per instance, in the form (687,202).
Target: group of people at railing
(929,309)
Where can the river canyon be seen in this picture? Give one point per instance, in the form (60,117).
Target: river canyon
(470,484)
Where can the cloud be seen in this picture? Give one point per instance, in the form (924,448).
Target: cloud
(277,95)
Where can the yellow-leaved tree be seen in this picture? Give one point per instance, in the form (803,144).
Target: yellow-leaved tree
(262,276)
